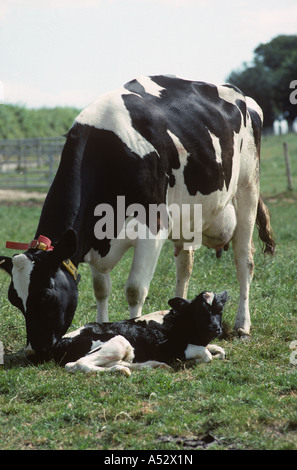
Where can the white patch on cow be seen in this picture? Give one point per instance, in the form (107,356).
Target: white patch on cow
(109,112)
(221,231)
(21,272)
(208,297)
(155,316)
(182,152)
(251,103)
(230,94)
(217,147)
(150,86)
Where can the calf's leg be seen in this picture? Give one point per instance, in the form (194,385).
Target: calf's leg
(107,357)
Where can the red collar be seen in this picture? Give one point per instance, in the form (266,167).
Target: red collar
(42,243)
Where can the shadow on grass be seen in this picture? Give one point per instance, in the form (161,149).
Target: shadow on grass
(18,359)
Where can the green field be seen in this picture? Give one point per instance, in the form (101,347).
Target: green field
(248,401)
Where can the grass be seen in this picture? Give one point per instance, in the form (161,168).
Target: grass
(247,401)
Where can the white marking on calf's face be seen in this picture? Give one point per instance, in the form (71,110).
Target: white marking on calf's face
(208,297)
(21,273)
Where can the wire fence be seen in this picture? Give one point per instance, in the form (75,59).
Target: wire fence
(29,163)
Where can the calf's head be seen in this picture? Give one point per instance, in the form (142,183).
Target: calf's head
(45,292)
(202,317)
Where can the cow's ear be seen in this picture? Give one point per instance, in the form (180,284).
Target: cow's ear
(65,247)
(6,264)
(178,303)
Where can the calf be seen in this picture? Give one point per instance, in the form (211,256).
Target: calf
(153,340)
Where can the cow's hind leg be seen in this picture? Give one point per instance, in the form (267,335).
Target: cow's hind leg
(184,260)
(243,248)
(114,355)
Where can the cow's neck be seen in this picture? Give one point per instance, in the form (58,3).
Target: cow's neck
(65,204)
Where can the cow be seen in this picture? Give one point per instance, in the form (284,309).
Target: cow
(155,340)
(156,141)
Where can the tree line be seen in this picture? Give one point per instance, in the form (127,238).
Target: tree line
(267,79)
(18,122)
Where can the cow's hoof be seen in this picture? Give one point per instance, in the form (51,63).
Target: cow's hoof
(243,335)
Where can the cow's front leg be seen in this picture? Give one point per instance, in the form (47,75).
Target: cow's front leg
(184,260)
(146,254)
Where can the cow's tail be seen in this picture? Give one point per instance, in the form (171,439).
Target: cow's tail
(264,227)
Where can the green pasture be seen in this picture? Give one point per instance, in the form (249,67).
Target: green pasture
(248,401)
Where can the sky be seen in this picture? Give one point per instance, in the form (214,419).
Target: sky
(68,52)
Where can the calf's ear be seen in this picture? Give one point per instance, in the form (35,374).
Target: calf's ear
(222,297)
(178,303)
(6,264)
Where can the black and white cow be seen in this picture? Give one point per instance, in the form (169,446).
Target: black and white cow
(157,140)
(154,340)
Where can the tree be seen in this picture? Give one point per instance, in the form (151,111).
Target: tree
(268,78)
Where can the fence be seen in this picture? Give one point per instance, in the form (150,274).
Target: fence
(29,163)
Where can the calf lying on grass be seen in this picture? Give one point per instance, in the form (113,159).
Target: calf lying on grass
(153,340)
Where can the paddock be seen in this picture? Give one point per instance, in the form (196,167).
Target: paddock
(247,401)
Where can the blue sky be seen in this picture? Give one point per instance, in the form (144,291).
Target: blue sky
(67,52)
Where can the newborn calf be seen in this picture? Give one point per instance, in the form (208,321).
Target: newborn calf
(153,340)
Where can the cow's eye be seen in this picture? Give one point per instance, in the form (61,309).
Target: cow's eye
(47,295)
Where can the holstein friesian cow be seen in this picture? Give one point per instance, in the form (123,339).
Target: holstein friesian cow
(157,140)
(153,340)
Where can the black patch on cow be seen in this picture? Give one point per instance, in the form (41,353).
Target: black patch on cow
(242,106)
(257,127)
(171,180)
(190,110)
(96,171)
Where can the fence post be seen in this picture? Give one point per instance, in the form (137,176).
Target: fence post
(288,166)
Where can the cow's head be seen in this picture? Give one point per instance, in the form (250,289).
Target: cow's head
(45,292)
(203,315)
